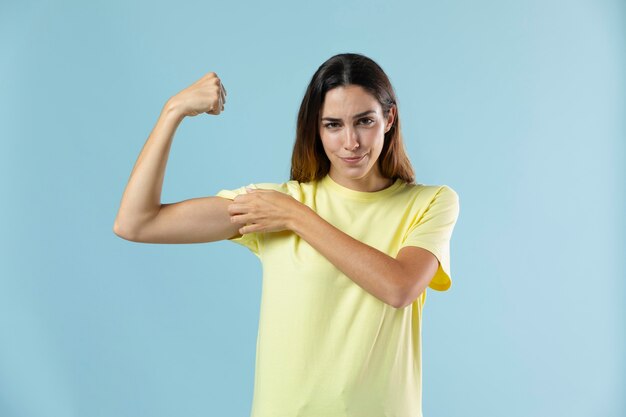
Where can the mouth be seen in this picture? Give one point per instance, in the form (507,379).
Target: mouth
(355,159)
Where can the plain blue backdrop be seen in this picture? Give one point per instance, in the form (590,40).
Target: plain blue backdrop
(519,106)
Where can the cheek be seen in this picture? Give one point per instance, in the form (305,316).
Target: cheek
(330,143)
(375,138)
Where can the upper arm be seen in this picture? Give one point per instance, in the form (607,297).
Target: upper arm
(419,266)
(204,219)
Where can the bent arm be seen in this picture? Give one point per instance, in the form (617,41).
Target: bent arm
(395,281)
(141,200)
(391,280)
(143,218)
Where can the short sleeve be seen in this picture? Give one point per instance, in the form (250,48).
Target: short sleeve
(252,241)
(432,228)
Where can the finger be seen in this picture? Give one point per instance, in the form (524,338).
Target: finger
(216,106)
(234,209)
(239,218)
(241,199)
(249,228)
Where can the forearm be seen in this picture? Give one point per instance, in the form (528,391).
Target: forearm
(373,270)
(142,197)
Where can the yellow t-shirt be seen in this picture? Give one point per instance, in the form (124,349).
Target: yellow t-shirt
(325,346)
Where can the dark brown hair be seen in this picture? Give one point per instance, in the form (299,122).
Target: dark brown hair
(309,161)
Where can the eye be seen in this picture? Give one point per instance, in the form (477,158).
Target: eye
(367,120)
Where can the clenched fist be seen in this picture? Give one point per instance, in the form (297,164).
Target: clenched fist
(207,95)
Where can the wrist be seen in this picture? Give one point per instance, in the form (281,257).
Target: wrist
(173,108)
(298,216)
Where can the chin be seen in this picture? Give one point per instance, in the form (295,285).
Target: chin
(354,172)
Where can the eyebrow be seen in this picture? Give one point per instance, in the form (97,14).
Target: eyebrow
(356,116)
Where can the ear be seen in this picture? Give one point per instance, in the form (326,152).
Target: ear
(390,118)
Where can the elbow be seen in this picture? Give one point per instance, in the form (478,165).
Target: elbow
(404,295)
(399,298)
(398,304)
(123,232)
(401,302)
(119,232)
(406,290)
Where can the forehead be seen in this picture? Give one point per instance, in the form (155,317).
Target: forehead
(347,101)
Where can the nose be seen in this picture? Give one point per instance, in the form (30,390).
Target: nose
(350,140)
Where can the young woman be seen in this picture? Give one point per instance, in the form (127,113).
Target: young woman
(348,245)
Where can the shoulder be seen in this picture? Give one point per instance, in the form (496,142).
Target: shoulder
(442,191)
(431,197)
(430,191)
(447,192)
(445,200)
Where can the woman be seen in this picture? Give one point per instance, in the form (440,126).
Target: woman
(348,245)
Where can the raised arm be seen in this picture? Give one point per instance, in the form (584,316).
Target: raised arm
(141,216)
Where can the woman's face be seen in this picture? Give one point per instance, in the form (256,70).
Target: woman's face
(351,116)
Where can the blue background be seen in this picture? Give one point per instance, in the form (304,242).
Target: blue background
(519,106)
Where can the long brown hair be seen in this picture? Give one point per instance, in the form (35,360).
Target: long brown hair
(309,161)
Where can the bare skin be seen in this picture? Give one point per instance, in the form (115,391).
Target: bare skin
(142,218)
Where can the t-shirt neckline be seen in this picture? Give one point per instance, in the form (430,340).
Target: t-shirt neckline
(329,183)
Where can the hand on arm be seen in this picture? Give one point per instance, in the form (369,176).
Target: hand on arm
(395,281)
